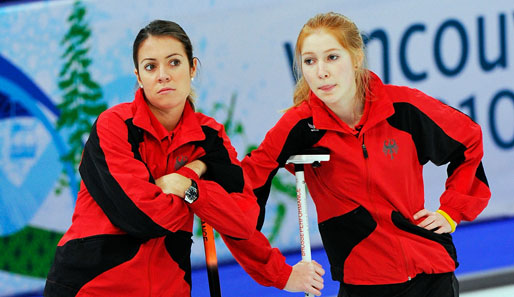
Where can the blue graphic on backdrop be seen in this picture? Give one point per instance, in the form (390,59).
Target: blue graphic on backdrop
(26,175)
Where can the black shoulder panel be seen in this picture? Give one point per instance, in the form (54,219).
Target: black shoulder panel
(303,135)
(135,137)
(220,168)
(432,143)
(109,195)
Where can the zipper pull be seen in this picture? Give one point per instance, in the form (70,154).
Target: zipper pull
(364,150)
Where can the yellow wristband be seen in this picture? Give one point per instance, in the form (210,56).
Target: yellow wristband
(453,225)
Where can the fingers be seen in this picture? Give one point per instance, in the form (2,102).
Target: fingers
(315,287)
(317,280)
(422,213)
(429,220)
(433,221)
(306,277)
(317,267)
(430,225)
(443,224)
(173,183)
(314,291)
(440,230)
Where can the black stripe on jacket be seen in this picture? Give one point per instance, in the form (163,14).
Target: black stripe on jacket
(432,143)
(105,190)
(80,260)
(220,168)
(301,136)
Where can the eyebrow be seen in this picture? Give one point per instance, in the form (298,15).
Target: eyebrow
(167,57)
(326,51)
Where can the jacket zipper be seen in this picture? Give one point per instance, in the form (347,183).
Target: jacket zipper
(150,289)
(364,150)
(366,166)
(368,189)
(405,261)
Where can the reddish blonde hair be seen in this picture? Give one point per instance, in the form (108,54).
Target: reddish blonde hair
(346,32)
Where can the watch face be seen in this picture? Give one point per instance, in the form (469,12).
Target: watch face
(191,193)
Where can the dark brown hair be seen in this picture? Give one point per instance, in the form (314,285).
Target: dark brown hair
(165,28)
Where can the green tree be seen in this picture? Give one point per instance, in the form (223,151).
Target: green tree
(82,96)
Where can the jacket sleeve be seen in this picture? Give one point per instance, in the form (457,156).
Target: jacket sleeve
(467,191)
(444,135)
(226,201)
(290,135)
(121,184)
(266,265)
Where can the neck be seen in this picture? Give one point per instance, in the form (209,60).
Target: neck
(349,111)
(169,118)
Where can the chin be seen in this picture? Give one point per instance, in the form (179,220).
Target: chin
(326,98)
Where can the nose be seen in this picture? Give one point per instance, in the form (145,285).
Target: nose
(163,76)
(322,70)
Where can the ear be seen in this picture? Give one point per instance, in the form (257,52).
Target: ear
(137,76)
(359,58)
(193,67)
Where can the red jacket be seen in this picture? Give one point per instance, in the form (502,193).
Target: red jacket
(368,192)
(127,237)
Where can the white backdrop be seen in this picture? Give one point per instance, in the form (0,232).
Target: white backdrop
(459,51)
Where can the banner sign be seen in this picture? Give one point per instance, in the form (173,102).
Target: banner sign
(460,52)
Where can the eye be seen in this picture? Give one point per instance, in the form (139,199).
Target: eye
(175,62)
(149,67)
(308,61)
(333,57)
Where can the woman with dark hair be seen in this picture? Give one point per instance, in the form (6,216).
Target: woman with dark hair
(379,238)
(141,166)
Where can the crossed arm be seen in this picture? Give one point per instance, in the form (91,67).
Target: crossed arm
(304,277)
(177,184)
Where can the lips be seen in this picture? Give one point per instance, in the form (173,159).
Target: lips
(327,88)
(165,90)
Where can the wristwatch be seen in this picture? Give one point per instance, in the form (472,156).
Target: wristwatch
(191,193)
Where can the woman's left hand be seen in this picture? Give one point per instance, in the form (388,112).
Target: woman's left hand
(173,183)
(177,184)
(433,221)
(198,167)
